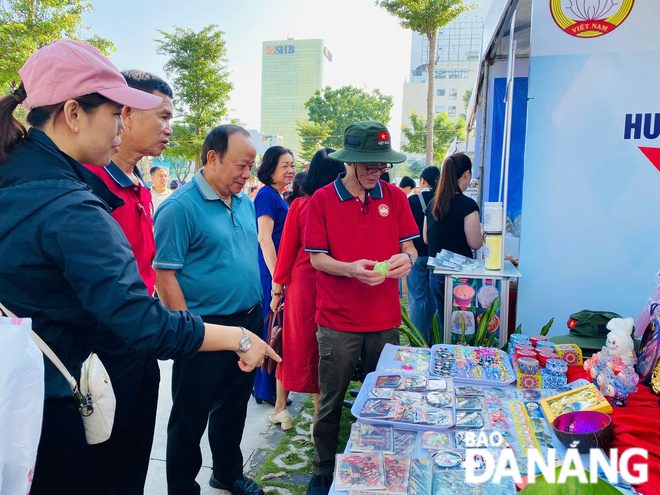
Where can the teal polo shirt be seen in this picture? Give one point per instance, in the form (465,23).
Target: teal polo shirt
(212,248)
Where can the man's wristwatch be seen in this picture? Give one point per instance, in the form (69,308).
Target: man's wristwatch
(245,343)
(412,260)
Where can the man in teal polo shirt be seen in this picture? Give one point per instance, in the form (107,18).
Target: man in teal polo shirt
(354,223)
(206,263)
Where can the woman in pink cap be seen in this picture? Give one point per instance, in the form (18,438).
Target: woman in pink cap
(65,261)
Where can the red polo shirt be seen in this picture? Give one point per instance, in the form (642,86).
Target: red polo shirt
(340,225)
(134,217)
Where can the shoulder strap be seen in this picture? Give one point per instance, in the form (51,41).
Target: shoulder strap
(8,313)
(421,200)
(48,352)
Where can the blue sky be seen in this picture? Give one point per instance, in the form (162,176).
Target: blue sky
(370,49)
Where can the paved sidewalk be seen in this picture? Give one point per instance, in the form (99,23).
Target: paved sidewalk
(258,437)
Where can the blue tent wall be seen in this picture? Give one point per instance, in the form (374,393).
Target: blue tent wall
(518,131)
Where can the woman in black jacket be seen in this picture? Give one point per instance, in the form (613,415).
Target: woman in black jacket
(65,261)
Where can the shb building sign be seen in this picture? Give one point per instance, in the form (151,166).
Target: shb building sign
(279,50)
(644,126)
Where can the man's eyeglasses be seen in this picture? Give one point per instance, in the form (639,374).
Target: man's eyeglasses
(380,168)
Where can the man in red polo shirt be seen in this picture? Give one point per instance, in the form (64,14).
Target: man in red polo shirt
(120,464)
(354,223)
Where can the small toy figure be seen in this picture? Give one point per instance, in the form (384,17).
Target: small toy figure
(613,367)
(619,349)
(619,340)
(618,387)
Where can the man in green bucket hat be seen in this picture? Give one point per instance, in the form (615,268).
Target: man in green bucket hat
(359,232)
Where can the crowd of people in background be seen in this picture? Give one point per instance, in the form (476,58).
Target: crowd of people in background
(102,263)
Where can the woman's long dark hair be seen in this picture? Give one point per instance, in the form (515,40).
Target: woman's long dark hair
(453,168)
(298,187)
(12,132)
(322,171)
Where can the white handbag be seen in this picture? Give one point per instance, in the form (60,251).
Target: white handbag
(95,397)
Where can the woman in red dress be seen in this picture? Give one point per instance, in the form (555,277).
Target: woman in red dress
(298,371)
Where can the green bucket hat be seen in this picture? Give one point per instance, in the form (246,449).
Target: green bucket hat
(587,329)
(367,142)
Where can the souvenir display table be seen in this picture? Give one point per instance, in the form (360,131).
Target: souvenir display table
(637,425)
(413,423)
(468,293)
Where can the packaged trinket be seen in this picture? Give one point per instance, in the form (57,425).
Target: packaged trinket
(448,459)
(441,417)
(570,353)
(527,365)
(397,469)
(556,366)
(538,338)
(544,357)
(439,399)
(468,391)
(545,344)
(437,384)
(518,338)
(420,478)
(412,383)
(371,438)
(388,381)
(381,393)
(404,441)
(469,419)
(587,398)
(468,403)
(379,408)
(364,471)
(552,380)
(529,381)
(436,440)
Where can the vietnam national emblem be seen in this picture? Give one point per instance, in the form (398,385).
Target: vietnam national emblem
(590,18)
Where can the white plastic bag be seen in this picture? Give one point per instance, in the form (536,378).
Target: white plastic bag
(21,404)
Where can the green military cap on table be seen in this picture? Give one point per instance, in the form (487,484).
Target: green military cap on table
(588,329)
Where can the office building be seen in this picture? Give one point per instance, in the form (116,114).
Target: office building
(458,50)
(291,72)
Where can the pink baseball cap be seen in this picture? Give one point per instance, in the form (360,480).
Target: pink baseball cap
(67,69)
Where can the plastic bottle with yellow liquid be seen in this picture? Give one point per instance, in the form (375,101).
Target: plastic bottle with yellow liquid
(493,251)
(493,236)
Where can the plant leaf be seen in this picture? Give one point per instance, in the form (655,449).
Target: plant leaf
(436,330)
(546,327)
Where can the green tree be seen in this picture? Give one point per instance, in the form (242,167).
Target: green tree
(445,131)
(466,100)
(179,168)
(26,25)
(426,17)
(402,169)
(312,137)
(197,65)
(416,167)
(334,109)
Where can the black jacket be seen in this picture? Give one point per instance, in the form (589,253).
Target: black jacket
(418,214)
(65,263)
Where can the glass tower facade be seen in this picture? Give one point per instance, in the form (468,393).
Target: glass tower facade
(458,51)
(291,72)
